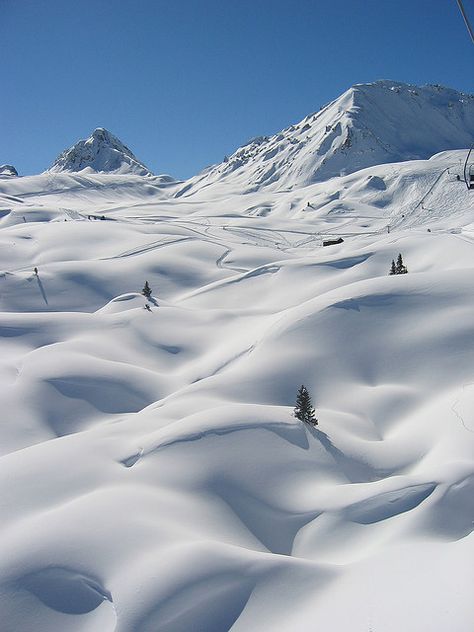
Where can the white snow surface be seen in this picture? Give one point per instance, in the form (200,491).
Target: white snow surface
(152,475)
(101,152)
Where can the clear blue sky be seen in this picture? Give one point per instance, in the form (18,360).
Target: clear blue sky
(184,82)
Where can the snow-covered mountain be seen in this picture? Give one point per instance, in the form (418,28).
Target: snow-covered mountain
(369,124)
(153,477)
(102,152)
(8,170)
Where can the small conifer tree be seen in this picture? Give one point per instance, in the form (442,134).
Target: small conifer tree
(401,268)
(146,290)
(304,410)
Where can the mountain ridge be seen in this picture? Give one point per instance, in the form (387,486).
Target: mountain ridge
(369,124)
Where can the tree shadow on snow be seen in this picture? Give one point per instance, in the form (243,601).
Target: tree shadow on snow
(41,287)
(354,470)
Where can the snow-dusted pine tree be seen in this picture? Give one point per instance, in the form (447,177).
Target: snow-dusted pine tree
(401,268)
(304,410)
(146,290)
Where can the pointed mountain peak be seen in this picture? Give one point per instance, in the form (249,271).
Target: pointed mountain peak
(101,152)
(102,133)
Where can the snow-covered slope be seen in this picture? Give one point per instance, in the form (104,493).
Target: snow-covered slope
(369,124)
(152,476)
(101,152)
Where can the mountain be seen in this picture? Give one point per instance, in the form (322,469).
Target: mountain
(101,152)
(369,124)
(8,170)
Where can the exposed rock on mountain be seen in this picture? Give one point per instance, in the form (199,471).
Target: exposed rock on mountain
(101,152)
(369,124)
(8,170)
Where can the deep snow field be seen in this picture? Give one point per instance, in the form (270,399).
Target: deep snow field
(153,476)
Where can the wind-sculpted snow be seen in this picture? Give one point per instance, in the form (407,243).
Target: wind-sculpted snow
(152,475)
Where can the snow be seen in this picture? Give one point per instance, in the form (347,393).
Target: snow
(152,474)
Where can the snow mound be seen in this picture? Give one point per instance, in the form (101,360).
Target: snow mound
(101,152)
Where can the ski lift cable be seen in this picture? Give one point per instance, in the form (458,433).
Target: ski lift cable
(467,169)
(466,19)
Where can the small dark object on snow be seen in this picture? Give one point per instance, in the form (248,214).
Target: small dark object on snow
(147,307)
(332,242)
(36,271)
